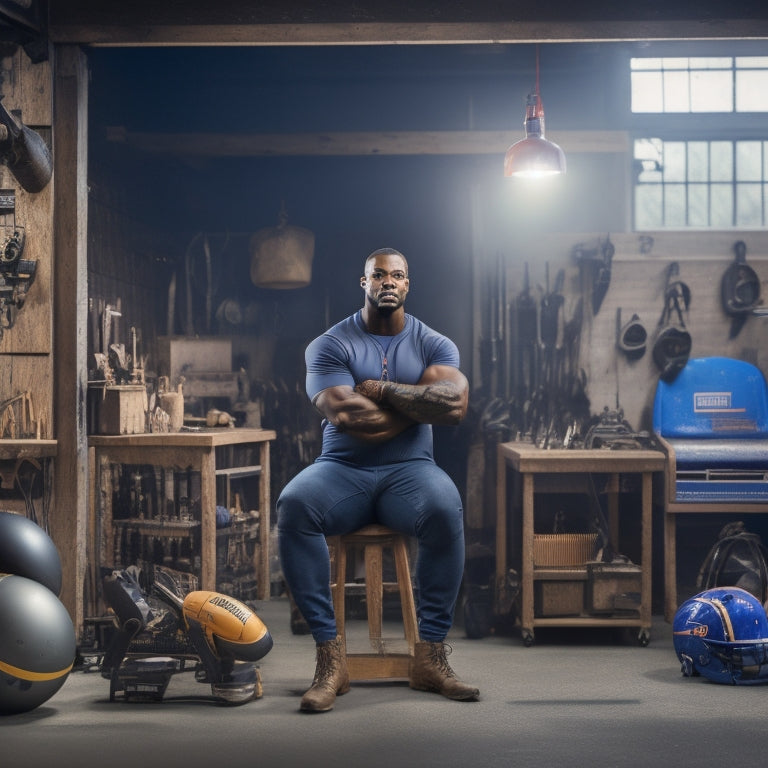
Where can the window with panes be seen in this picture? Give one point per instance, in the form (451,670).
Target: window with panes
(706,165)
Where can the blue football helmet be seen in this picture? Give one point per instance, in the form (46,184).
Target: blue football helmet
(722,634)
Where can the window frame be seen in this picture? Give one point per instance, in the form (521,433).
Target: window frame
(694,126)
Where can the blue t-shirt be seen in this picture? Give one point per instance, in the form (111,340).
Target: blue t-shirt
(348,354)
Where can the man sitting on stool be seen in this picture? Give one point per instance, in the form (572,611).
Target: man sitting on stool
(380,378)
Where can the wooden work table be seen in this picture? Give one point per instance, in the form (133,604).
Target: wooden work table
(211,453)
(563,470)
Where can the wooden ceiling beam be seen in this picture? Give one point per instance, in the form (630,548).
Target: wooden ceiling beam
(383,33)
(357,143)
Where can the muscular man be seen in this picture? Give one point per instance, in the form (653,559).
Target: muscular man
(380,378)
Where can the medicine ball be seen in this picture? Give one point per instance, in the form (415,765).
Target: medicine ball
(27,550)
(37,644)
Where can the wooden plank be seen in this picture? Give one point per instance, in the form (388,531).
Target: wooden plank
(70,226)
(29,91)
(134,31)
(359,143)
(526,457)
(235,473)
(265,523)
(371,666)
(594,621)
(168,440)
(27,449)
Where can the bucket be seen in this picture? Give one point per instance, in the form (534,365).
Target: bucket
(281,256)
(172,403)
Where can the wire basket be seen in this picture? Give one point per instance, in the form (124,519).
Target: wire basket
(563,549)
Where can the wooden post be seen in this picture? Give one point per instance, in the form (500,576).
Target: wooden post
(70,156)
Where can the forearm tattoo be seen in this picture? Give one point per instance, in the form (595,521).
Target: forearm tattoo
(425,403)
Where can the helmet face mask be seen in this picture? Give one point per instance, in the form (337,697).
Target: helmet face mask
(722,635)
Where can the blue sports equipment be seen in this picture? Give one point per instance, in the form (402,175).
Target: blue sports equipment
(722,634)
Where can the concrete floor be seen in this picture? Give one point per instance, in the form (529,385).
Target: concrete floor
(577,698)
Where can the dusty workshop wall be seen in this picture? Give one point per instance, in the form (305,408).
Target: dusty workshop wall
(638,282)
(129,261)
(638,277)
(26,347)
(121,257)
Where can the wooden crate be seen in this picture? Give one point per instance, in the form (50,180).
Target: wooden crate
(612,587)
(122,411)
(560,592)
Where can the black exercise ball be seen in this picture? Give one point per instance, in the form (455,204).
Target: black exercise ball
(27,550)
(37,644)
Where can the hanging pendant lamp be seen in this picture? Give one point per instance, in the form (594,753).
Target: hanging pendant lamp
(534,156)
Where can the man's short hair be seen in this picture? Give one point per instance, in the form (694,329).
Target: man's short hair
(387,252)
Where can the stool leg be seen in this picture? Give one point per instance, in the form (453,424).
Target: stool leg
(407,604)
(374,592)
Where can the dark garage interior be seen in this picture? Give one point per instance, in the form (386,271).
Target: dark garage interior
(180,134)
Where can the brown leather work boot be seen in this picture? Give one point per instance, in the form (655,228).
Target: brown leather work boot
(331,677)
(430,671)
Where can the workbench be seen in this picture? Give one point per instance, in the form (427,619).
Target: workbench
(207,462)
(560,470)
(673,507)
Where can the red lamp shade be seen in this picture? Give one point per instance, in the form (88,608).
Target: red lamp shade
(534,155)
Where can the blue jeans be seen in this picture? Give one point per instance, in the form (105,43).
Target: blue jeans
(331,498)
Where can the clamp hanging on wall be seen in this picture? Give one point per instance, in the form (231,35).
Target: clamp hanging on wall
(16,274)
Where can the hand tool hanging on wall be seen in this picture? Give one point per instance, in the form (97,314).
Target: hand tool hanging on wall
(739,289)
(551,326)
(577,403)
(551,339)
(16,276)
(24,152)
(600,257)
(572,341)
(489,413)
(525,323)
(672,345)
(493,332)
(602,278)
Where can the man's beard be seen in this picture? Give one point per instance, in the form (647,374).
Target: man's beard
(387,309)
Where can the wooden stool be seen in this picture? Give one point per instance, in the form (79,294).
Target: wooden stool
(379,663)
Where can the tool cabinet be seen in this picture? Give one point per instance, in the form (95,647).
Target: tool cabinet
(154,499)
